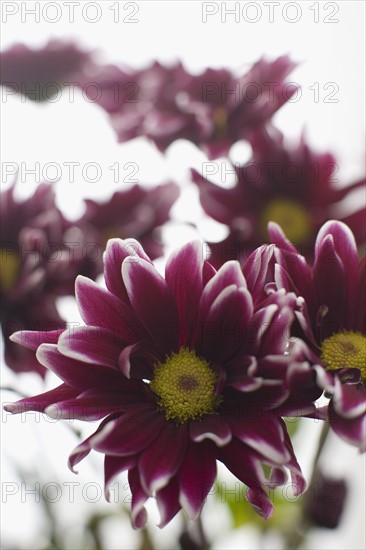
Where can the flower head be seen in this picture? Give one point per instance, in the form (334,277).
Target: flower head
(184,370)
(138,212)
(37,73)
(213,109)
(332,318)
(37,266)
(293,187)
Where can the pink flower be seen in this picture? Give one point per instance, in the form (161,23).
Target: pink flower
(184,370)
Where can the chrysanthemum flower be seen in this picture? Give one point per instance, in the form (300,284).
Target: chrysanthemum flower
(184,370)
(332,318)
(38,73)
(36,268)
(213,109)
(138,212)
(292,186)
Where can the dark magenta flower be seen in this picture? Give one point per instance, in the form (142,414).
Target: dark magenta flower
(213,109)
(332,318)
(34,270)
(138,212)
(293,187)
(39,73)
(184,370)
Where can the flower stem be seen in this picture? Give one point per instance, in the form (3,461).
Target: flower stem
(295,538)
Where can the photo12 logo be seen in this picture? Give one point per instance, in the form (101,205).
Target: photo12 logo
(70,12)
(269,12)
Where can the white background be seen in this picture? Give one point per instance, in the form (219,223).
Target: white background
(67,131)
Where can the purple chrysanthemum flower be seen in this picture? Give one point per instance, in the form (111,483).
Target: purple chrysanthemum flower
(213,109)
(37,73)
(138,212)
(184,370)
(31,270)
(332,318)
(294,187)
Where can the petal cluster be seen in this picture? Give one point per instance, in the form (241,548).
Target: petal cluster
(139,321)
(331,305)
(213,109)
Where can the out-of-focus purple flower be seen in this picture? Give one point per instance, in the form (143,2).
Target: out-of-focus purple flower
(294,187)
(325,501)
(213,109)
(331,316)
(184,370)
(33,263)
(138,212)
(39,73)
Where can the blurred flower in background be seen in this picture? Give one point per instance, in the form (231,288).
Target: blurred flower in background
(138,212)
(33,259)
(39,73)
(213,109)
(290,185)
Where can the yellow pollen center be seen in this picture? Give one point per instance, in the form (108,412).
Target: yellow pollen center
(185,386)
(291,216)
(345,349)
(9,269)
(220,121)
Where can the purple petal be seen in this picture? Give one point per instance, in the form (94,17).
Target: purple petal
(210,427)
(114,465)
(153,303)
(168,502)
(162,459)
(224,329)
(234,456)
(278,237)
(93,404)
(32,339)
(265,435)
(184,277)
(196,478)
(77,373)
(100,308)
(117,250)
(43,400)
(349,401)
(84,448)
(132,432)
(352,430)
(330,283)
(92,345)
(139,497)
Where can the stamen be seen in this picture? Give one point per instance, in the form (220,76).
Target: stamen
(345,349)
(185,386)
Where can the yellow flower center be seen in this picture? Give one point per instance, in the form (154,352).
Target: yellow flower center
(185,385)
(9,269)
(220,121)
(345,349)
(291,216)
